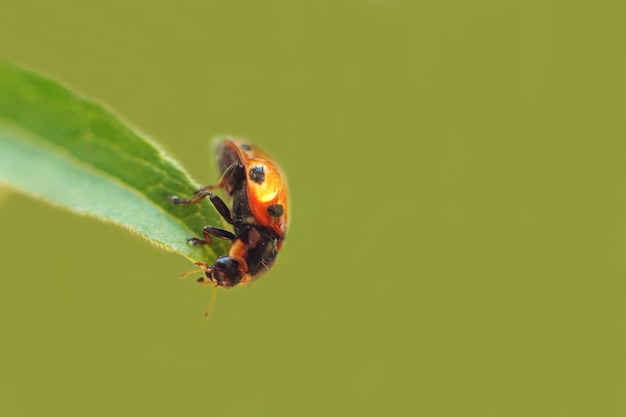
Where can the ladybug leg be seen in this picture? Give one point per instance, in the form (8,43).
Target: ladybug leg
(217,232)
(207,232)
(228,172)
(219,204)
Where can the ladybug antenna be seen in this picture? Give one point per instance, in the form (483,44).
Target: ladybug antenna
(186,274)
(213,293)
(203,267)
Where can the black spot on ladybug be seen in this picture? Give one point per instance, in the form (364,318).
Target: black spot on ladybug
(257,174)
(276,210)
(246,147)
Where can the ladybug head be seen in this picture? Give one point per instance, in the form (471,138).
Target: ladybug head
(226,272)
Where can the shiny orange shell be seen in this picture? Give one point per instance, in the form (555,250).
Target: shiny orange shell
(267,198)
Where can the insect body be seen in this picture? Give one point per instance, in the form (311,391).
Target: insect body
(258,215)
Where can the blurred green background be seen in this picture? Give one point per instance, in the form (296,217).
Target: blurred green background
(458,192)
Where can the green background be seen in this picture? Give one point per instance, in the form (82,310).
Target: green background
(458,192)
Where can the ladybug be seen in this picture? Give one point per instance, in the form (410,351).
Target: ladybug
(258,191)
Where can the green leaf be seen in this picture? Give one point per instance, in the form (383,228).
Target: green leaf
(73,153)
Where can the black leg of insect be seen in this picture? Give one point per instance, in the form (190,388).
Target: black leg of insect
(208,231)
(219,204)
(226,176)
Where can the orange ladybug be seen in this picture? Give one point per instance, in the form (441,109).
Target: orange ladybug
(258,214)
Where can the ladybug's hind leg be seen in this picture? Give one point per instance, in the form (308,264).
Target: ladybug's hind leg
(226,176)
(207,232)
